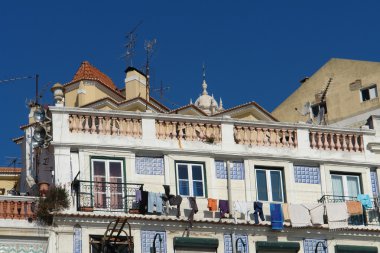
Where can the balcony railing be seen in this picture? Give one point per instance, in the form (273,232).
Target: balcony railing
(105,196)
(17,207)
(370,217)
(351,142)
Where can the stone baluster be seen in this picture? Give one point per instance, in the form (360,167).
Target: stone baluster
(238,136)
(174,129)
(108,125)
(86,128)
(122,127)
(180,130)
(277,137)
(93,124)
(350,146)
(319,142)
(312,139)
(325,142)
(101,125)
(75,123)
(29,212)
(15,214)
(187,131)
(265,137)
(161,130)
(22,210)
(295,142)
(135,128)
(245,135)
(8,213)
(128,127)
(168,129)
(113,126)
(272,140)
(356,144)
(291,142)
(252,136)
(283,140)
(193,133)
(338,146)
(344,145)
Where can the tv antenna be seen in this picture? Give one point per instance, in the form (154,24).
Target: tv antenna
(149,48)
(130,45)
(13,161)
(161,90)
(23,78)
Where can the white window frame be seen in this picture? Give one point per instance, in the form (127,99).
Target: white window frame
(369,88)
(107,177)
(344,180)
(269,185)
(190,179)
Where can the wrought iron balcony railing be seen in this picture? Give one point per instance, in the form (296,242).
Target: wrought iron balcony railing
(370,217)
(105,196)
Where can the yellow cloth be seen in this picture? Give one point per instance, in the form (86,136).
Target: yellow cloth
(285,212)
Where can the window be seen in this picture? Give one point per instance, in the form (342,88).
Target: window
(369,93)
(374,183)
(269,185)
(236,172)
(310,245)
(107,186)
(190,179)
(242,244)
(345,185)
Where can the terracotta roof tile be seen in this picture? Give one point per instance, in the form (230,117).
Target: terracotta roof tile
(88,72)
(10,170)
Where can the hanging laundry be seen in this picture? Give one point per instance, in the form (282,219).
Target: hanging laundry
(212,204)
(316,210)
(194,209)
(258,208)
(143,202)
(365,200)
(138,196)
(285,211)
(223,207)
(354,207)
(173,200)
(299,215)
(337,215)
(154,200)
(276,218)
(242,208)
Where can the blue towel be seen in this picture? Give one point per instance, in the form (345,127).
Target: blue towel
(276,216)
(366,201)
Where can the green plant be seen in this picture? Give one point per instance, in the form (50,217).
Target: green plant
(57,199)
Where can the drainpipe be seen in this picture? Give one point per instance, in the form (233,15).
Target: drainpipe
(229,196)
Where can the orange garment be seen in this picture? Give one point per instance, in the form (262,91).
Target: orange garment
(354,207)
(212,204)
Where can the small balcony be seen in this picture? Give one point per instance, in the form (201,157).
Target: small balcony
(370,217)
(17,207)
(105,196)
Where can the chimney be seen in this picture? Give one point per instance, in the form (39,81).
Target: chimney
(135,84)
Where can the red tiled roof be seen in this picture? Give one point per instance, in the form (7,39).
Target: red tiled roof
(10,170)
(88,72)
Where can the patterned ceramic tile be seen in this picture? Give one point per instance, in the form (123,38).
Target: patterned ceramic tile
(27,246)
(307,174)
(147,237)
(310,244)
(374,184)
(228,243)
(237,170)
(149,165)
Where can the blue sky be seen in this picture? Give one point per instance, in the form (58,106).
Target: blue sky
(253,50)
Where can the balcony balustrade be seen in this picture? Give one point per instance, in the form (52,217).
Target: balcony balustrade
(370,217)
(105,196)
(336,141)
(265,136)
(17,207)
(105,125)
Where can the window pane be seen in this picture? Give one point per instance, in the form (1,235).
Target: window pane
(115,169)
(182,172)
(275,178)
(197,172)
(99,168)
(365,95)
(183,187)
(353,186)
(261,178)
(198,188)
(373,92)
(337,185)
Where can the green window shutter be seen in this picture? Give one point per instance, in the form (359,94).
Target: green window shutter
(195,243)
(355,249)
(277,246)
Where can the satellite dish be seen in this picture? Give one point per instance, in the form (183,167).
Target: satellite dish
(39,136)
(39,114)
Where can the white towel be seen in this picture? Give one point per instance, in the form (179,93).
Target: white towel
(242,207)
(316,211)
(337,215)
(299,215)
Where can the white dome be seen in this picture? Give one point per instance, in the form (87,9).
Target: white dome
(206,102)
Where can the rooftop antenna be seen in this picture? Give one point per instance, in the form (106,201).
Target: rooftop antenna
(13,161)
(130,45)
(161,90)
(36,77)
(149,48)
